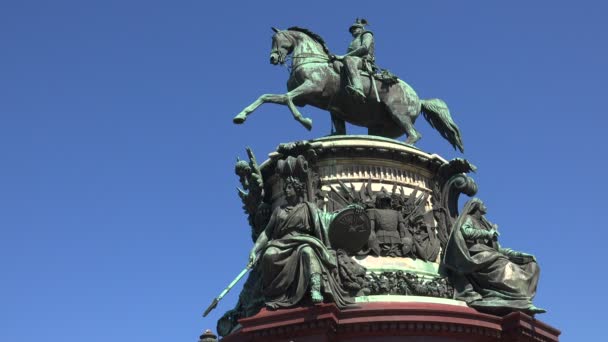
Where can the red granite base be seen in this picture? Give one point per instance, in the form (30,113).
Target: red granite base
(388,322)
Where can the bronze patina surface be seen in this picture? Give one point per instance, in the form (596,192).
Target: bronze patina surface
(350,88)
(348,219)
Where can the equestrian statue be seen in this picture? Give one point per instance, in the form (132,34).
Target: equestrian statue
(351,87)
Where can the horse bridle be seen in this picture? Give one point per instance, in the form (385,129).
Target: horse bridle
(277,50)
(283,58)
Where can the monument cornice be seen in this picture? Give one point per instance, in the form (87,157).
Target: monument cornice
(385,320)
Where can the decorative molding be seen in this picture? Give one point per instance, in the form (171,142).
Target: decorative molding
(375,321)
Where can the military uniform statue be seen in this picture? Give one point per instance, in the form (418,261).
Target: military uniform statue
(360,56)
(389,235)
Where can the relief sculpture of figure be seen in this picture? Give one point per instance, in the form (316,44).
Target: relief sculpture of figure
(389,236)
(488,277)
(426,243)
(295,256)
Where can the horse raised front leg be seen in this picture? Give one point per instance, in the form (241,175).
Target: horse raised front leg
(305,89)
(287,99)
(306,122)
(272,98)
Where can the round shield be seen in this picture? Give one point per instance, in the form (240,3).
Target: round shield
(349,230)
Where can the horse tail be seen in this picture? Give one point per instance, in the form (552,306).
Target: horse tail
(436,112)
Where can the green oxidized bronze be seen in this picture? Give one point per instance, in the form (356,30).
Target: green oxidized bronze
(350,88)
(325,228)
(294,240)
(485,275)
(294,249)
(359,56)
(389,237)
(252,193)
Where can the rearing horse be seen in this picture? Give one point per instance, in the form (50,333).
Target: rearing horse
(315,80)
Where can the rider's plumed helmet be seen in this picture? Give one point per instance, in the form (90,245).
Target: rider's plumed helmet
(359,23)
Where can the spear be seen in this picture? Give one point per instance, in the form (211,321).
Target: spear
(227,289)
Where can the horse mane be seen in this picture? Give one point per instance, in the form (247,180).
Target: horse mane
(312,35)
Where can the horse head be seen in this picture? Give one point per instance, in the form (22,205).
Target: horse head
(282,45)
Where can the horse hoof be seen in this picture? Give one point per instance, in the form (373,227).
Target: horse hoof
(307,123)
(239,119)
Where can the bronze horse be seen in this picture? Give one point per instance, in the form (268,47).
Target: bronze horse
(315,80)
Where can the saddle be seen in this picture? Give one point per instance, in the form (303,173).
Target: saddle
(382,75)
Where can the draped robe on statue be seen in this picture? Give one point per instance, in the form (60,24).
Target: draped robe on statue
(486,276)
(296,235)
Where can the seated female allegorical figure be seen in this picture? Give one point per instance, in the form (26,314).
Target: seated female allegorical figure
(295,254)
(486,276)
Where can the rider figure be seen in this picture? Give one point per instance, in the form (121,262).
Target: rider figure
(360,56)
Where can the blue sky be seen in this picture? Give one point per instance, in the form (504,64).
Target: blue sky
(119,218)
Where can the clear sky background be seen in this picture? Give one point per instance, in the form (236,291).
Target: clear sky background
(119,218)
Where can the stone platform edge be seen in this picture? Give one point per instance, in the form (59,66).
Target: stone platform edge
(325,322)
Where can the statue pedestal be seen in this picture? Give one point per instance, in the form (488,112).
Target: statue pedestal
(390,321)
(401,290)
